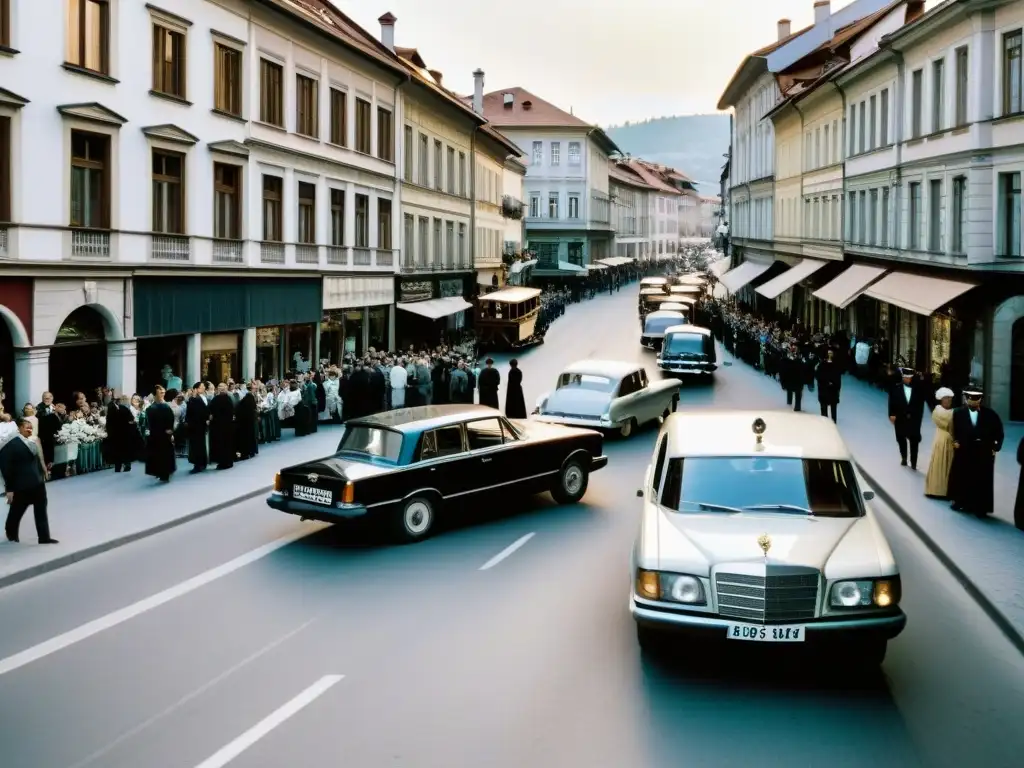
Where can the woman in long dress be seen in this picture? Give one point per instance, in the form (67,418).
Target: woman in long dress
(936,482)
(515,402)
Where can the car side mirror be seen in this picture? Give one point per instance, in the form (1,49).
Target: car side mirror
(639,493)
(868,495)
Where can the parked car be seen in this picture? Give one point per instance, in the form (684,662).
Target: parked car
(755,527)
(688,349)
(655,325)
(403,466)
(607,395)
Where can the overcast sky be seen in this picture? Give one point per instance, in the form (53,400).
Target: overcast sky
(610,60)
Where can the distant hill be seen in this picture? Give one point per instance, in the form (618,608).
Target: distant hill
(693,144)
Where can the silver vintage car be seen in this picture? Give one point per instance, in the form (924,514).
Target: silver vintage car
(607,395)
(754,527)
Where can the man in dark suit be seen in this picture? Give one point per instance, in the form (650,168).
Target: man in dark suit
(977,437)
(906,409)
(50,422)
(197,420)
(23,469)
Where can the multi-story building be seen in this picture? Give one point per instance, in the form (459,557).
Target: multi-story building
(513,181)
(568,222)
(150,211)
(753,92)
(438,127)
(493,206)
(933,211)
(631,211)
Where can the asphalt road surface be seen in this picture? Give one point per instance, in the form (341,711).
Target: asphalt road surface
(252,640)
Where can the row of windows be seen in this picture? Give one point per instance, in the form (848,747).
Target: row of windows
(434,241)
(938,87)
(489,243)
(555,153)
(431,170)
(553,210)
(488,185)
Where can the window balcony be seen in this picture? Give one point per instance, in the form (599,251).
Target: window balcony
(337,256)
(511,208)
(307,253)
(384,257)
(362,257)
(90,244)
(165,247)
(227,252)
(271,253)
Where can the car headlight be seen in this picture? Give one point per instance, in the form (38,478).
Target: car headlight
(866,593)
(670,587)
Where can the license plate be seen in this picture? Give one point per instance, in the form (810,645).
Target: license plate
(315,495)
(792,633)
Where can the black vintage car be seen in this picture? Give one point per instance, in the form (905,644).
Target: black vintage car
(403,465)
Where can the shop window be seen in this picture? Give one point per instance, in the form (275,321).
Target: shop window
(300,347)
(941,345)
(221,360)
(268,353)
(378,327)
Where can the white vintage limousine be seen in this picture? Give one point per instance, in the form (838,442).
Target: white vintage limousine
(607,395)
(755,527)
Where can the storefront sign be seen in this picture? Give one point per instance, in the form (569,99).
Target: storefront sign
(357,292)
(449,288)
(415,290)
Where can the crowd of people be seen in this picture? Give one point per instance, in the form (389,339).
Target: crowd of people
(967,438)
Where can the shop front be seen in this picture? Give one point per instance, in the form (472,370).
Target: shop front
(231,328)
(357,315)
(433,310)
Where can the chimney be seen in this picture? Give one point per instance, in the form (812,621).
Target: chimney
(784,28)
(387,30)
(478,91)
(823,15)
(436,74)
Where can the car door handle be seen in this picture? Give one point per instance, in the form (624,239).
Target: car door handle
(484,461)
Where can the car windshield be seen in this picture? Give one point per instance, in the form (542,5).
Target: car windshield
(683,344)
(371,441)
(587,381)
(660,324)
(759,484)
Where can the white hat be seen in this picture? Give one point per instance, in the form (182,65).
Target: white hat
(943,392)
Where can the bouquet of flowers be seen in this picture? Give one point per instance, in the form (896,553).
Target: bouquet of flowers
(78,432)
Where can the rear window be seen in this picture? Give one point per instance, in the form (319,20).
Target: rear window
(760,485)
(684,344)
(371,441)
(587,381)
(660,324)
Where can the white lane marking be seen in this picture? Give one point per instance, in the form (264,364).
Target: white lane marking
(190,696)
(270,722)
(60,642)
(507,551)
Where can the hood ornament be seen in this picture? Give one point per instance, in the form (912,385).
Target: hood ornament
(314,478)
(764,541)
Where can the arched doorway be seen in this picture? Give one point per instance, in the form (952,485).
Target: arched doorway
(78,359)
(7,370)
(1017,371)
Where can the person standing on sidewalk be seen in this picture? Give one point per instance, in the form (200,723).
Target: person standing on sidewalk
(977,438)
(1018,507)
(161,462)
(23,468)
(906,410)
(830,382)
(793,377)
(936,482)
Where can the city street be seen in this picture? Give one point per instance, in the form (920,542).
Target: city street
(251,639)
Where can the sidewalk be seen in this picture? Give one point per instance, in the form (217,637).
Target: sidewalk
(987,556)
(93,513)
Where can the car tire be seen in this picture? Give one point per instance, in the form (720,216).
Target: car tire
(572,483)
(627,429)
(413,520)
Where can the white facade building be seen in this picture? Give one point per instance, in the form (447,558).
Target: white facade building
(263,146)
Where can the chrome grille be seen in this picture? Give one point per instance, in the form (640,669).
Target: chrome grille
(783,594)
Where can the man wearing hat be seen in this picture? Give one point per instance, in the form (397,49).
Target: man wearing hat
(906,409)
(977,438)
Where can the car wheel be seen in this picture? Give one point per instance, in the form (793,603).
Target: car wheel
(414,520)
(572,483)
(627,429)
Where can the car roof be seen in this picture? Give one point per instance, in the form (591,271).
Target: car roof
(424,417)
(730,433)
(662,314)
(654,281)
(695,329)
(610,368)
